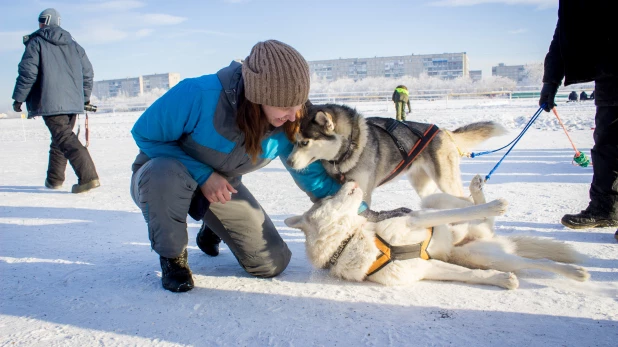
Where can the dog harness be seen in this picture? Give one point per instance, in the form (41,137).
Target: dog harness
(424,138)
(390,253)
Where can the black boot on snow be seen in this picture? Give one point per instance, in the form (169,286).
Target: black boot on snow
(586,219)
(84,187)
(50,185)
(176,276)
(208,241)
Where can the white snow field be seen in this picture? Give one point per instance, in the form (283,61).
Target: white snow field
(77,270)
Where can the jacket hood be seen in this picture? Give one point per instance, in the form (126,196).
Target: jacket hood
(232,81)
(54,34)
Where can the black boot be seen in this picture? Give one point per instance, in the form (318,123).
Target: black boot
(50,185)
(587,219)
(84,187)
(208,241)
(176,273)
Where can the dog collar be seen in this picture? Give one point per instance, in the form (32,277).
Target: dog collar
(348,152)
(337,254)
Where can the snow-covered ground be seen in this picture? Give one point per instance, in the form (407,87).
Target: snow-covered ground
(78,270)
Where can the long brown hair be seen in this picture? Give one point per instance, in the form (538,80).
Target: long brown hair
(252,121)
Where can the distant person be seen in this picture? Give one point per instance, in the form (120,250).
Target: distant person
(583,96)
(401,97)
(592,95)
(55,82)
(573,96)
(579,58)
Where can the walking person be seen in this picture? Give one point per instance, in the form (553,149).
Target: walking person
(401,97)
(579,58)
(199,139)
(55,82)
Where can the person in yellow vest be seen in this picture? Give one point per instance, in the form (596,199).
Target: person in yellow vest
(401,97)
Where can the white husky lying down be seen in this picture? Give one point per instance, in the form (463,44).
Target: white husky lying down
(453,244)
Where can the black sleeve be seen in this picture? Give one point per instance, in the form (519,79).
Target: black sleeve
(554,65)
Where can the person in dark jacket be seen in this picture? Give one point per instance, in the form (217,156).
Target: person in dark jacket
(573,96)
(55,82)
(199,139)
(583,96)
(401,97)
(578,57)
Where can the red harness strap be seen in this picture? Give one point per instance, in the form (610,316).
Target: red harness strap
(417,149)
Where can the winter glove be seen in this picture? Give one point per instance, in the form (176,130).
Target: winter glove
(548,94)
(17,106)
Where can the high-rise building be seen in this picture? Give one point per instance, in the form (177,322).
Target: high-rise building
(134,86)
(515,72)
(130,86)
(476,75)
(163,81)
(445,66)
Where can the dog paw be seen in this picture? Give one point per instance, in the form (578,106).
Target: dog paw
(476,185)
(498,207)
(578,273)
(508,280)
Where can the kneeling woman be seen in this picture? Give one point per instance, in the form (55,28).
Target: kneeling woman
(198,139)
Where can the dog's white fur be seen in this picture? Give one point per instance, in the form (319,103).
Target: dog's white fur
(463,247)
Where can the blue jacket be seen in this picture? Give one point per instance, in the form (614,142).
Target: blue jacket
(54,74)
(195,122)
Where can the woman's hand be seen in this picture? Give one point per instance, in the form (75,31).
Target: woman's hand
(217,189)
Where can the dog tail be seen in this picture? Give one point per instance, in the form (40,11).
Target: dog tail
(470,135)
(537,248)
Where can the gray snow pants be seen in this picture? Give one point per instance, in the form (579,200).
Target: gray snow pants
(163,189)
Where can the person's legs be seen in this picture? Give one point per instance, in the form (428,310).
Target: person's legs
(163,188)
(61,129)
(250,234)
(602,210)
(56,166)
(400,110)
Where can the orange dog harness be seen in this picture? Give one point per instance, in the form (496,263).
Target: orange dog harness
(390,253)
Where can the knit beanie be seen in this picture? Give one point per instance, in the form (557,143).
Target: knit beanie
(275,74)
(50,17)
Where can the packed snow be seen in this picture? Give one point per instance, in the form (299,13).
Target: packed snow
(78,269)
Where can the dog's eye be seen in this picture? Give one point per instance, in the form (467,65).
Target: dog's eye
(303,143)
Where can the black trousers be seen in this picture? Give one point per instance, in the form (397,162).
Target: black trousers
(604,187)
(66,146)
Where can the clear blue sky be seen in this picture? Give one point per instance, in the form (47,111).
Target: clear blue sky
(196,37)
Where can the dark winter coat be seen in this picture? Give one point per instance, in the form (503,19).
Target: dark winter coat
(55,75)
(581,49)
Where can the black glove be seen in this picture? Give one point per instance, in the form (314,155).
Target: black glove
(548,94)
(17,106)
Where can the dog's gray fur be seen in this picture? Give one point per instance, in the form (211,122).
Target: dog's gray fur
(346,144)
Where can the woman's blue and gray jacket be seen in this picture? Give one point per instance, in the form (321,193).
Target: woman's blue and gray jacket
(195,122)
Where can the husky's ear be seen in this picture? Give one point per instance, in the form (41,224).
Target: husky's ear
(295,222)
(326,120)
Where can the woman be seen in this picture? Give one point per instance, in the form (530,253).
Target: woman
(197,141)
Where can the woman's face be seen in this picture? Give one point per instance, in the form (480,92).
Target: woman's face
(277,116)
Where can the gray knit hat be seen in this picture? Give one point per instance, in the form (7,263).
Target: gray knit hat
(50,17)
(275,74)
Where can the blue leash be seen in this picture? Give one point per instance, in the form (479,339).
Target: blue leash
(514,142)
